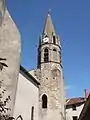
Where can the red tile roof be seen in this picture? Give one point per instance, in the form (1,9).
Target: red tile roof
(75,100)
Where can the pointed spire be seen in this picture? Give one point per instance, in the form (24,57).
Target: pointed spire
(48,27)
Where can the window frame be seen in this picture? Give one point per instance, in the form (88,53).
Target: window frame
(44,101)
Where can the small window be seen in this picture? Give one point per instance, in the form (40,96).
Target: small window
(46,54)
(54,40)
(74,107)
(32,113)
(75,117)
(44,101)
(54,50)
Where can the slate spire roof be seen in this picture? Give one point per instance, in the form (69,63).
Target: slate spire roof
(48,26)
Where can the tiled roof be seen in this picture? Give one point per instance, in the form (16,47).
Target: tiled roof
(75,100)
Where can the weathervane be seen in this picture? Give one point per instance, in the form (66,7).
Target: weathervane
(49,11)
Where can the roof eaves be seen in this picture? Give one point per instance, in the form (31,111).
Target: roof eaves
(22,69)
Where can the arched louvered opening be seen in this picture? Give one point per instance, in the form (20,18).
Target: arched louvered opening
(46,55)
(54,39)
(54,50)
(44,101)
(55,56)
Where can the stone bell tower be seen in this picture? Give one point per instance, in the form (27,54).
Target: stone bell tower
(51,90)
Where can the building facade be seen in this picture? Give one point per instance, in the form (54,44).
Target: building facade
(74,107)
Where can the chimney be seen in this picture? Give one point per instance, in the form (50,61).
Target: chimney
(86,93)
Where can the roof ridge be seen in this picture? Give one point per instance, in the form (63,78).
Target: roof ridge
(74,98)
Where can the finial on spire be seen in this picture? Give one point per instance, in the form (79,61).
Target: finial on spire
(49,11)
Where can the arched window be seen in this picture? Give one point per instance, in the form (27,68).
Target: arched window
(44,101)
(55,56)
(54,40)
(46,54)
(32,112)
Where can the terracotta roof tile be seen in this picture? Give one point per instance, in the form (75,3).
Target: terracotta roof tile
(75,100)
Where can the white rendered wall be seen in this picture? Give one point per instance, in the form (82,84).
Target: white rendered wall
(10,49)
(26,97)
(70,112)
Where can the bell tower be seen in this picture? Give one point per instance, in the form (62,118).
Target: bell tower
(51,90)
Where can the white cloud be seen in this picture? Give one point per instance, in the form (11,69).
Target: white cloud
(67,87)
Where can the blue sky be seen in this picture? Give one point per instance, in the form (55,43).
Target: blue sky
(71,19)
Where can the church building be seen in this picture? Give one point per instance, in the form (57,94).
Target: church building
(40,92)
